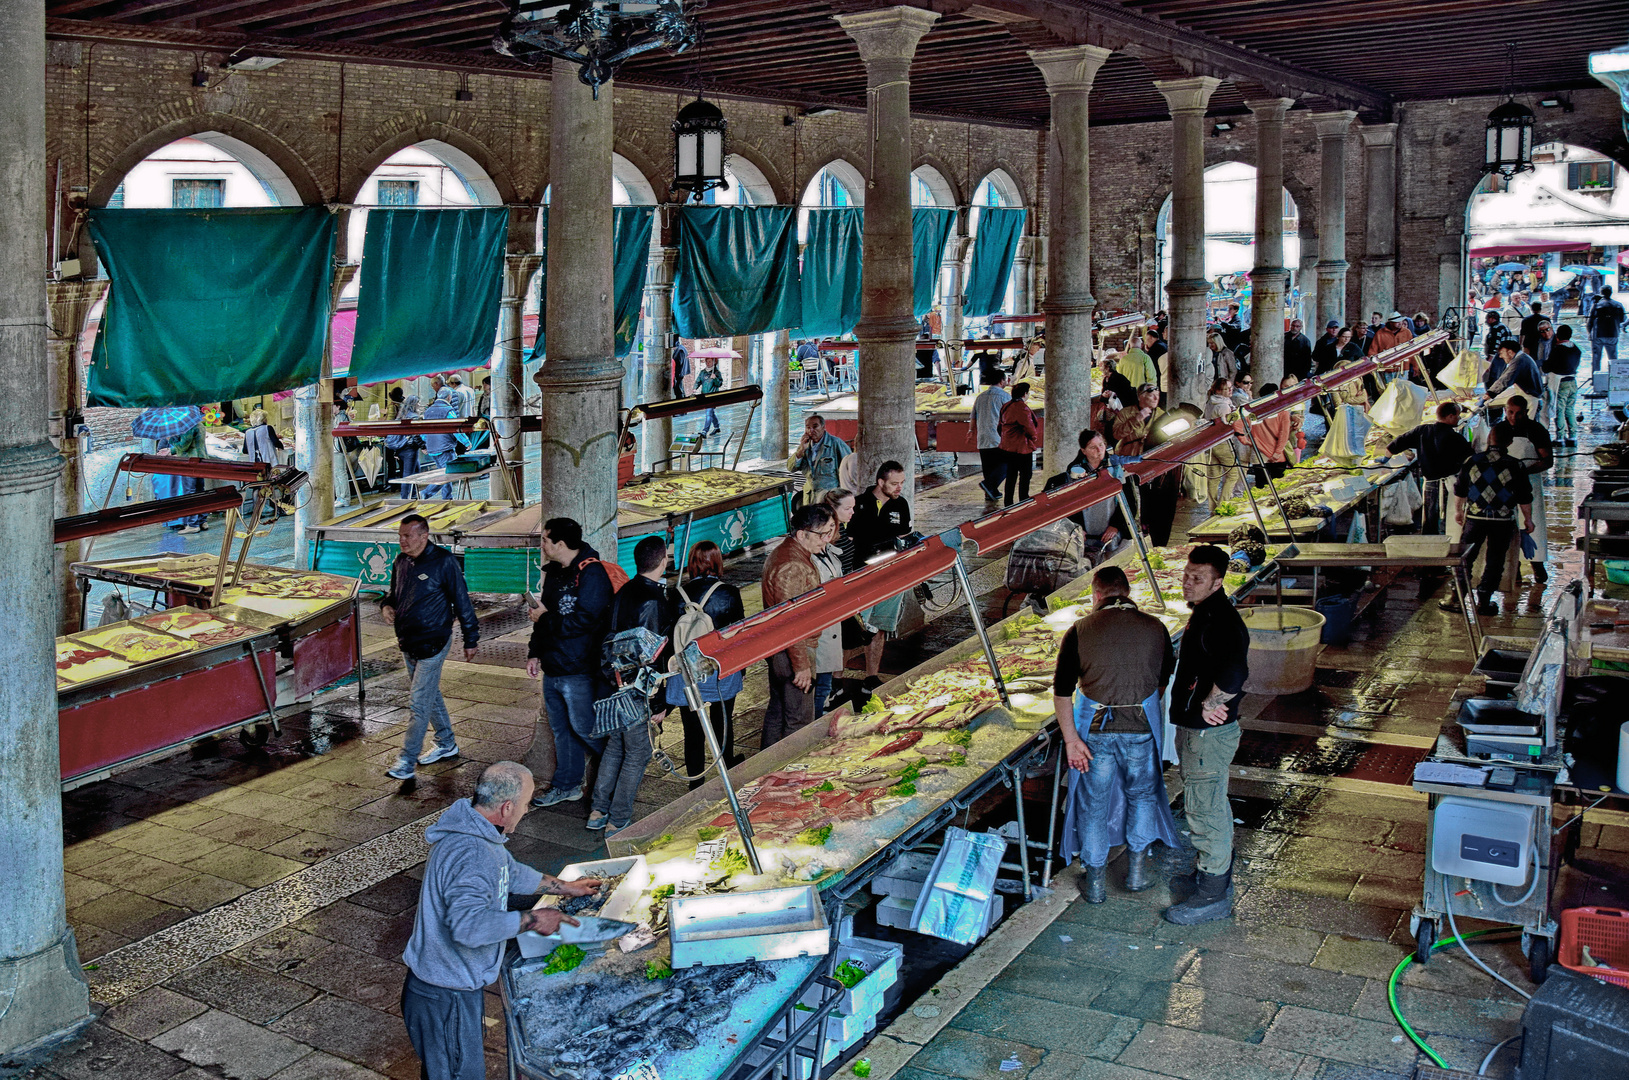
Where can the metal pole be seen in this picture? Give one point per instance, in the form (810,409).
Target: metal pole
(243,551)
(1052,821)
(361,683)
(752,410)
(1430,383)
(226,554)
(692,693)
(1255,452)
(1261,522)
(978,624)
(1142,548)
(1016,774)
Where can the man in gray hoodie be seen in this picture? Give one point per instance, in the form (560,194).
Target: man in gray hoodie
(464,921)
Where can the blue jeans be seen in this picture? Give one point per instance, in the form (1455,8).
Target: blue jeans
(428,705)
(569,701)
(822,691)
(1132,758)
(1599,345)
(1566,409)
(622,767)
(440,491)
(709,423)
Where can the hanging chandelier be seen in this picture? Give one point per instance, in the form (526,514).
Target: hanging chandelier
(599,36)
(1611,69)
(1510,131)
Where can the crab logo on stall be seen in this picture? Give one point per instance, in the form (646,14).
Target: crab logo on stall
(374,568)
(734,531)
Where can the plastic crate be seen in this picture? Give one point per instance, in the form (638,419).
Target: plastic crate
(1606,932)
(1617,570)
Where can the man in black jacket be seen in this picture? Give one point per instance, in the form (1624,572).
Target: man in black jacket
(426,591)
(1297,351)
(1324,356)
(644,603)
(1439,450)
(1562,364)
(568,628)
(1212,666)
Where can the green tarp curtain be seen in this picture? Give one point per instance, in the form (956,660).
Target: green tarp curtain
(737,271)
(930,228)
(430,285)
(993,251)
(630,262)
(832,252)
(210,305)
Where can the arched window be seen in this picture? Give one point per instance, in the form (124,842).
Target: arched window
(204,171)
(837,186)
(1230,236)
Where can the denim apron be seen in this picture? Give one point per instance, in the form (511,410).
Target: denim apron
(1079,813)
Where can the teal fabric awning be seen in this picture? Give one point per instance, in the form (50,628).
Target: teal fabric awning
(832,255)
(630,265)
(993,251)
(737,271)
(930,228)
(210,305)
(430,285)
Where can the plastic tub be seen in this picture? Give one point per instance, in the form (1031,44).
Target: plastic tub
(1606,932)
(1339,613)
(1617,570)
(1284,644)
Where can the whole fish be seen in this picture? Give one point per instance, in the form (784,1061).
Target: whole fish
(904,742)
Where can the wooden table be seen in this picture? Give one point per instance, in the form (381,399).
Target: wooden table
(1318,557)
(433,477)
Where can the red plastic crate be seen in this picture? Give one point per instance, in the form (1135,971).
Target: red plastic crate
(1606,932)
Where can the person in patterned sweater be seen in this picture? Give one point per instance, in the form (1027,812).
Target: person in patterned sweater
(1490,487)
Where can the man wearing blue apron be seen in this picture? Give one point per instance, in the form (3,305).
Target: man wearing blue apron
(1112,669)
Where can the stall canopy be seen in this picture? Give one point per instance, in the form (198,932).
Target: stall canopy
(993,251)
(737,271)
(210,305)
(428,298)
(831,273)
(930,228)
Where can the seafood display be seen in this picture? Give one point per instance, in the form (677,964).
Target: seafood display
(196,626)
(135,644)
(1319,486)
(80,663)
(680,492)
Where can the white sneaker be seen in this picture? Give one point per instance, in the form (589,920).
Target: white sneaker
(402,770)
(437,753)
(189,529)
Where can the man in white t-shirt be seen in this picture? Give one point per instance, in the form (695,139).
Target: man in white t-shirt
(987,432)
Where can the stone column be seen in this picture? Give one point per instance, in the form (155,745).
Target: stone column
(656,435)
(1379,285)
(1269,279)
(508,382)
(1307,279)
(887,332)
(777,387)
(314,429)
(1332,128)
(1069,73)
(951,301)
(70,302)
(1022,278)
(1190,360)
(44,990)
(580,373)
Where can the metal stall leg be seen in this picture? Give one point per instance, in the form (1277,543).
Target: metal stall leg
(1015,774)
(361,683)
(978,624)
(692,693)
(1142,546)
(1255,452)
(1052,821)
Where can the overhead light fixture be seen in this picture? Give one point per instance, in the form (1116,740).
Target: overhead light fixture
(599,36)
(243,60)
(699,135)
(1221,126)
(1510,130)
(817,110)
(1611,69)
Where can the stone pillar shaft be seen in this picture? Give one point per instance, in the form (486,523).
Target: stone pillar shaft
(887,331)
(1379,286)
(1269,279)
(580,374)
(777,387)
(955,252)
(1069,74)
(1190,360)
(45,991)
(657,435)
(314,431)
(508,382)
(1332,128)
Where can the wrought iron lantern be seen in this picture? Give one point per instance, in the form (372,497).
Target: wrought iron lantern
(700,135)
(597,35)
(1510,132)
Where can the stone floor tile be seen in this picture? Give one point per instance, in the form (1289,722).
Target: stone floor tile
(363,930)
(320,1066)
(104,1054)
(1315,1068)
(128,913)
(1054,978)
(1144,958)
(1384,891)
(1304,878)
(1109,1070)
(94,941)
(1490,1019)
(1126,913)
(1267,904)
(200,892)
(137,872)
(230,828)
(1288,944)
(355,976)
(1043,1024)
(345,1029)
(1359,956)
(1350,855)
(1184,1005)
(911,1072)
(82,890)
(309,847)
(77,857)
(391,896)
(1362,830)
(1196,1055)
(972,1056)
(333,793)
(253,993)
(281,950)
(245,865)
(1267,980)
(152,1012)
(1341,1038)
(241,1050)
(162,842)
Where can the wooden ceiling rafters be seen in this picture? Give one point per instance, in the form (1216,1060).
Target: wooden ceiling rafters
(973,65)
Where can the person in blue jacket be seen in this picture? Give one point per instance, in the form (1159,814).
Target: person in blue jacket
(441,448)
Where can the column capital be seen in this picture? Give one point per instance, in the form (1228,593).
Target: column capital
(1188,97)
(1333,125)
(1070,69)
(1378,134)
(517,273)
(888,33)
(1269,109)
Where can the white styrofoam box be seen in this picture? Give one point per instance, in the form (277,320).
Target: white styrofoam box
(880,960)
(896,912)
(905,876)
(996,909)
(843,1030)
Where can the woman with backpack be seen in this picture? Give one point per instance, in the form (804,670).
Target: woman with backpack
(705,593)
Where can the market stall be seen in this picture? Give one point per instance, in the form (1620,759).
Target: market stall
(944,418)
(362,543)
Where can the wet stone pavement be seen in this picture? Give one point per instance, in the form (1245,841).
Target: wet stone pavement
(241,911)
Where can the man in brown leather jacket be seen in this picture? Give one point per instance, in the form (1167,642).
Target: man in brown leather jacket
(790,571)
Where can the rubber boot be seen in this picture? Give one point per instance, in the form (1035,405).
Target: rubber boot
(1093,884)
(1211,900)
(1137,871)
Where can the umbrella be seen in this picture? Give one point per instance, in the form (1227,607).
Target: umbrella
(166,422)
(1575,268)
(1511,267)
(720,354)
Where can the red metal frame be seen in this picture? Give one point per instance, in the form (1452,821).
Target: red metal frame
(448,426)
(134,515)
(241,472)
(1005,526)
(658,410)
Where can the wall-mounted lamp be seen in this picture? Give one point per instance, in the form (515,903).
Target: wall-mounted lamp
(1221,126)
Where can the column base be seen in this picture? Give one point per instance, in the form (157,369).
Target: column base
(45,996)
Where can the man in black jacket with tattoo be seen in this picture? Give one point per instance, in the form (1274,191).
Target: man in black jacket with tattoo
(1212,665)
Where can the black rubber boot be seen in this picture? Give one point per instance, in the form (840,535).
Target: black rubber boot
(1540,573)
(1212,899)
(1137,871)
(1093,883)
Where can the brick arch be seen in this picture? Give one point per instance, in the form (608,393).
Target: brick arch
(1026,196)
(278,154)
(771,173)
(958,196)
(461,141)
(655,174)
(807,175)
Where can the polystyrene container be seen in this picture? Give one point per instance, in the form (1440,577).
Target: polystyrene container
(1284,645)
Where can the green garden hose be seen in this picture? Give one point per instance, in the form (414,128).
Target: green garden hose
(1397,973)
